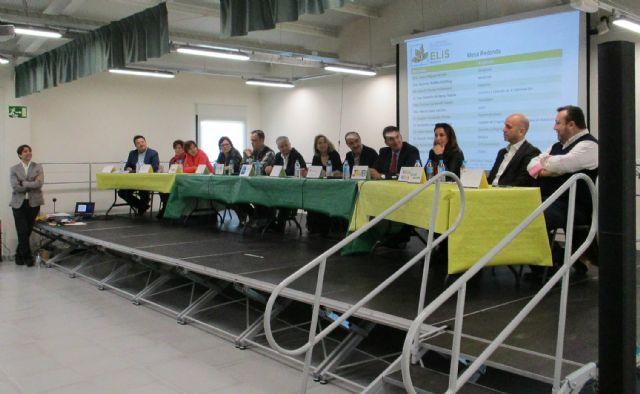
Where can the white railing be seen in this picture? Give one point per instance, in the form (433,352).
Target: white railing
(459,287)
(321,262)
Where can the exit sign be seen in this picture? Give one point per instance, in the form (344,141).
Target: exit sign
(17,111)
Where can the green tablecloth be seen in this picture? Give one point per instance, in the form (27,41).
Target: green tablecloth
(334,197)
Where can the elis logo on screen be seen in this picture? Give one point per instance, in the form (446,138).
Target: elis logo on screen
(420,55)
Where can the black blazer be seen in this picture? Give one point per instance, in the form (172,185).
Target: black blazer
(235,156)
(334,156)
(453,160)
(294,156)
(407,158)
(368,157)
(516,173)
(151,157)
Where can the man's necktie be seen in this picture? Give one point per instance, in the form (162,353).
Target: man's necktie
(394,163)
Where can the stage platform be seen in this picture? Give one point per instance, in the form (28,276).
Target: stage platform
(219,278)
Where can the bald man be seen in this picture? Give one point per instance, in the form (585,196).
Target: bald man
(510,167)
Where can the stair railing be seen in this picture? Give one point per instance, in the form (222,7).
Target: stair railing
(459,288)
(321,262)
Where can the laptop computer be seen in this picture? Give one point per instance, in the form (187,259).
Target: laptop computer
(84,210)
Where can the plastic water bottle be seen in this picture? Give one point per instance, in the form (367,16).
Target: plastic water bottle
(429,169)
(258,168)
(346,170)
(441,167)
(215,165)
(297,169)
(123,167)
(231,166)
(418,164)
(329,169)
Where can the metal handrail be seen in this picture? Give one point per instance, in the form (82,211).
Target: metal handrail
(322,260)
(459,286)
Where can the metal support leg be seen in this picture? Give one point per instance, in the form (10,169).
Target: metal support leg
(257,326)
(375,385)
(59,257)
(208,295)
(341,352)
(72,273)
(154,285)
(113,274)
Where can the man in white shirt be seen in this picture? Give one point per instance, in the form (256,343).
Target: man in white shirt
(575,152)
(510,167)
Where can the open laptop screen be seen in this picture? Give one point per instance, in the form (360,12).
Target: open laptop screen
(84,209)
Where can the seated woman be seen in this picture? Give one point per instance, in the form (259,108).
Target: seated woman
(228,154)
(324,153)
(194,158)
(178,158)
(445,148)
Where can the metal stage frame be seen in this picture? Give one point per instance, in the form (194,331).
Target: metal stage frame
(184,272)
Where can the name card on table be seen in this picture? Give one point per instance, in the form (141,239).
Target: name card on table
(175,169)
(202,169)
(109,169)
(247,170)
(218,169)
(412,175)
(314,172)
(360,173)
(277,171)
(474,179)
(145,169)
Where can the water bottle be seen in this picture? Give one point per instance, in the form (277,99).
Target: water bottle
(329,169)
(346,171)
(418,164)
(441,167)
(123,166)
(429,169)
(297,169)
(258,168)
(231,166)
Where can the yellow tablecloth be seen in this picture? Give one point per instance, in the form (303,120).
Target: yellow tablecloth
(151,182)
(490,214)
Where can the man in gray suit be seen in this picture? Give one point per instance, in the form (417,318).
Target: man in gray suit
(26,179)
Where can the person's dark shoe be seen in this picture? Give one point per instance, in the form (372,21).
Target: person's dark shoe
(19,260)
(142,210)
(580,268)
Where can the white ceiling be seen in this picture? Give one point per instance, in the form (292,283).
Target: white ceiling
(360,32)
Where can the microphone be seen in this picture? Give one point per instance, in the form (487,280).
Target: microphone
(54,204)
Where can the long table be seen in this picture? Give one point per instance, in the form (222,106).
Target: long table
(162,183)
(333,197)
(490,214)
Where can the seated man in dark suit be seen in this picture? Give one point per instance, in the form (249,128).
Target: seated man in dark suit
(287,157)
(137,158)
(510,167)
(360,155)
(396,155)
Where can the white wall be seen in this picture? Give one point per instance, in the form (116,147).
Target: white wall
(94,120)
(330,106)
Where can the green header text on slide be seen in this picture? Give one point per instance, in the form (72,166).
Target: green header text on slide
(524,57)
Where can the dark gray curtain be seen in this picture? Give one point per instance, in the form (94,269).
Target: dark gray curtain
(239,17)
(133,39)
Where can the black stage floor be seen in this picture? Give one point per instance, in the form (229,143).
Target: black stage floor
(262,262)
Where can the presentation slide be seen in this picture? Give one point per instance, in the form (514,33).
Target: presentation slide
(473,78)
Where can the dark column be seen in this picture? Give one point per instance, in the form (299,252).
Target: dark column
(617,217)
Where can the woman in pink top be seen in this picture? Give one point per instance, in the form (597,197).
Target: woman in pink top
(194,158)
